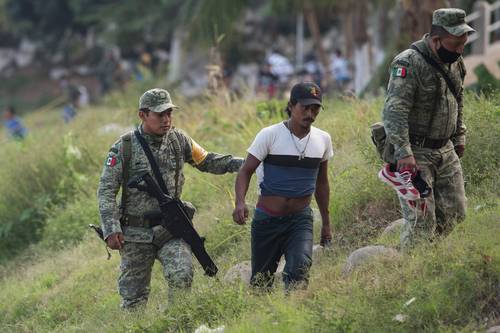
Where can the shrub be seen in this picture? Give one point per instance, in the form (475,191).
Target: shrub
(66,225)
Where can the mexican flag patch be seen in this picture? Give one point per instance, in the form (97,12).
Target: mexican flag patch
(399,72)
(111,161)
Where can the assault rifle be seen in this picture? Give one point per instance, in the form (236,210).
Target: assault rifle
(175,219)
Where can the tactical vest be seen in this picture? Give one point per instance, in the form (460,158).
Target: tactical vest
(127,156)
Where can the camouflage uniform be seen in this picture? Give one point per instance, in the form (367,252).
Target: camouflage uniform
(420,104)
(144,244)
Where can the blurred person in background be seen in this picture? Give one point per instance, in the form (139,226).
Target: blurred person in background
(13,124)
(340,69)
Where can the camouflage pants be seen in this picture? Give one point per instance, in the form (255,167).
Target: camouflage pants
(445,206)
(137,261)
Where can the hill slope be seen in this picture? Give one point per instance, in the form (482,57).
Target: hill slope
(64,283)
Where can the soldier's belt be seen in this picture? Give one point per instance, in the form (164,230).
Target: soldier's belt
(138,221)
(423,142)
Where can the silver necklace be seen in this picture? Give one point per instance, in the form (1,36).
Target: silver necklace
(302,153)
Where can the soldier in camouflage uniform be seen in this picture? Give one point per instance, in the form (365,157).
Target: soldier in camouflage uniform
(424,121)
(130,227)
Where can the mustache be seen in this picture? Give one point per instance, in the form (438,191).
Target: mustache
(308,119)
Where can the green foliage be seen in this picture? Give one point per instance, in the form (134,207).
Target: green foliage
(69,286)
(47,20)
(486,83)
(212,305)
(47,171)
(66,225)
(481,160)
(270,109)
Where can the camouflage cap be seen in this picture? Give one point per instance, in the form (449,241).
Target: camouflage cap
(452,20)
(156,100)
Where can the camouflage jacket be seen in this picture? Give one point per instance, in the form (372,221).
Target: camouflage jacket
(171,152)
(419,101)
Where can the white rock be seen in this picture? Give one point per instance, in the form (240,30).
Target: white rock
(239,272)
(317,249)
(365,254)
(400,318)
(394,227)
(206,329)
(243,270)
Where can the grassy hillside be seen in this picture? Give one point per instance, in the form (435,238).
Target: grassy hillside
(55,277)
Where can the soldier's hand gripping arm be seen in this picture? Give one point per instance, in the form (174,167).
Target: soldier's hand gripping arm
(208,161)
(398,104)
(109,185)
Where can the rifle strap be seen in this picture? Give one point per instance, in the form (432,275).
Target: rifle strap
(152,161)
(178,150)
(127,154)
(440,69)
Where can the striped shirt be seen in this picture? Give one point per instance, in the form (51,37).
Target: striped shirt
(282,172)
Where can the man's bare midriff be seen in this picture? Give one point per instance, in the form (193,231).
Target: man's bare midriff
(282,205)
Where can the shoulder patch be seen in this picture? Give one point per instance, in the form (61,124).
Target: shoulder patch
(399,71)
(198,153)
(111,160)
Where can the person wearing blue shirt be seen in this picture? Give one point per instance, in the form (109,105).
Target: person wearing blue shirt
(13,124)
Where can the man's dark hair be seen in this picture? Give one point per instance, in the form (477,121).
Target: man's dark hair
(145,110)
(288,108)
(437,30)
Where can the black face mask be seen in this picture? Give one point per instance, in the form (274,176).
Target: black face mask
(448,57)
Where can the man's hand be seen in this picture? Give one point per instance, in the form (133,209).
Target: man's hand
(240,213)
(407,164)
(115,241)
(326,236)
(459,149)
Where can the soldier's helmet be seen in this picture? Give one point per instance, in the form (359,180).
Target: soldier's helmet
(156,100)
(452,20)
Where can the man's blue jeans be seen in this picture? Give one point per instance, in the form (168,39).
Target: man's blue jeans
(274,236)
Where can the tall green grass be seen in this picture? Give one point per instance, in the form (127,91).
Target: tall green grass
(59,279)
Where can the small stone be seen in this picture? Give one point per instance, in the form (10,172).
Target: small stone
(366,254)
(400,318)
(394,227)
(239,272)
(206,329)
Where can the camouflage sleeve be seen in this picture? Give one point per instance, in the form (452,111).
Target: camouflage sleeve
(109,184)
(208,161)
(459,137)
(399,102)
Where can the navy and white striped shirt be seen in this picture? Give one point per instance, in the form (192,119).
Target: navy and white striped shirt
(281,172)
